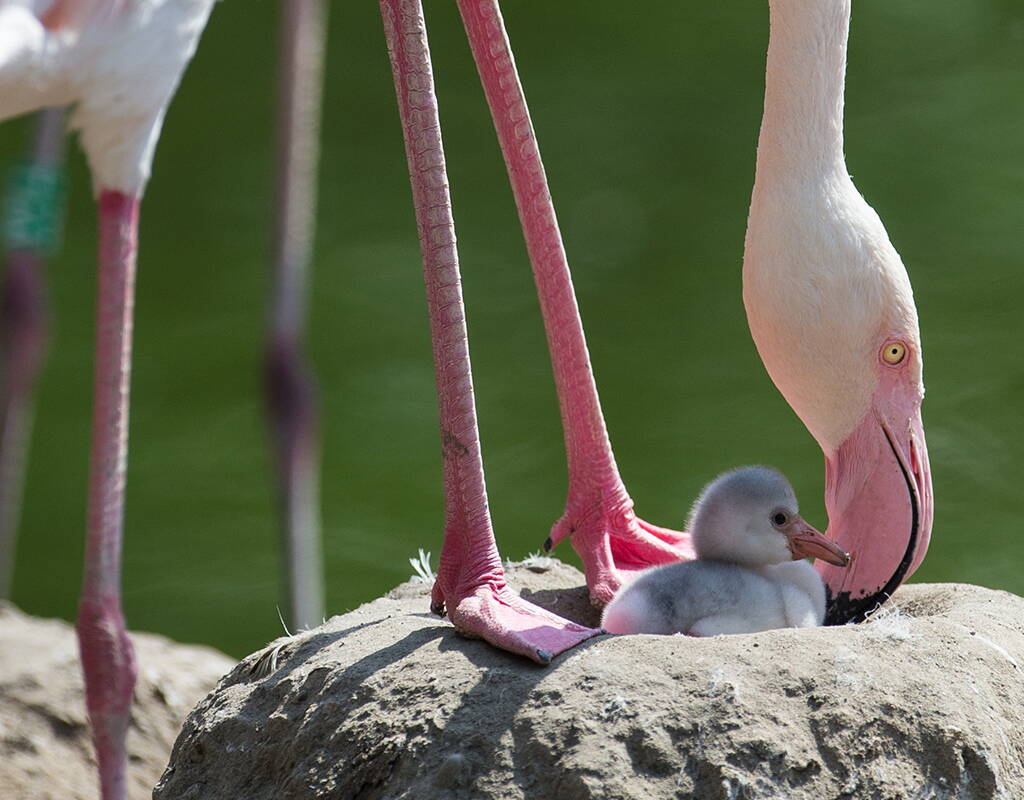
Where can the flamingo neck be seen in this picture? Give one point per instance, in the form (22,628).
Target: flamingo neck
(802,128)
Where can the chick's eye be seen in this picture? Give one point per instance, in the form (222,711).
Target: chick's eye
(894,352)
(778,518)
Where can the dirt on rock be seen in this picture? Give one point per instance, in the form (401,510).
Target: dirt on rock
(925,701)
(46,751)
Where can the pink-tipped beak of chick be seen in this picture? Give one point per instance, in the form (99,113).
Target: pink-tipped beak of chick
(806,541)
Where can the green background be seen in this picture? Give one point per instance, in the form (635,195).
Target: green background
(647,116)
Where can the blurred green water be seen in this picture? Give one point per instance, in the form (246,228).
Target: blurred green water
(648,121)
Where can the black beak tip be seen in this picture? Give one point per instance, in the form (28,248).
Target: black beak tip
(548,545)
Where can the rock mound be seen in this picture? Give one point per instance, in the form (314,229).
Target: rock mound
(925,701)
(46,751)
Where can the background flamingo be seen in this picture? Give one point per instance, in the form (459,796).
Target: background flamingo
(119,64)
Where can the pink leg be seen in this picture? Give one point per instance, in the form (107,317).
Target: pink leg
(290,385)
(108,659)
(599,516)
(31,230)
(471,582)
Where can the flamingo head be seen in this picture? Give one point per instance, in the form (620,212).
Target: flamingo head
(832,314)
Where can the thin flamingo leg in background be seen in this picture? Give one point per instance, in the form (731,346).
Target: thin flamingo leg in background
(290,385)
(31,231)
(108,659)
(598,518)
(470,584)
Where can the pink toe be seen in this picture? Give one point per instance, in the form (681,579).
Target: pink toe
(504,619)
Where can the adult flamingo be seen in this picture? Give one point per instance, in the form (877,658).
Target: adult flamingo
(832,313)
(119,62)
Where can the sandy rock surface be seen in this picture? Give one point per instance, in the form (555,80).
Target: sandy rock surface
(46,752)
(924,702)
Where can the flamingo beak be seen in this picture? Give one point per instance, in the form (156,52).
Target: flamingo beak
(806,541)
(878,494)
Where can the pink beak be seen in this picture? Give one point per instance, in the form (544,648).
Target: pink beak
(806,541)
(878,494)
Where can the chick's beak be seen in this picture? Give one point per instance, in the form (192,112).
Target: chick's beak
(806,541)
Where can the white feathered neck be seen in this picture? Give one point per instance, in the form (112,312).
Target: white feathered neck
(822,285)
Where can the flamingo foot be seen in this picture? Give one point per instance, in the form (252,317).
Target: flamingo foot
(108,662)
(615,543)
(491,611)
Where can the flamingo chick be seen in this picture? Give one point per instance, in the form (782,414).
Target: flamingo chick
(749,574)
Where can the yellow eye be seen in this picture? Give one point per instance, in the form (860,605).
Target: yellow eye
(894,352)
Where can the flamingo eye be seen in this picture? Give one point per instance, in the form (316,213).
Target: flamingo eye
(894,352)
(778,519)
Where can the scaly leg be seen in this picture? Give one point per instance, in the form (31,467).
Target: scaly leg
(598,518)
(108,659)
(290,385)
(470,584)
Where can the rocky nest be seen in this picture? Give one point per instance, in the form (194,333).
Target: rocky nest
(924,701)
